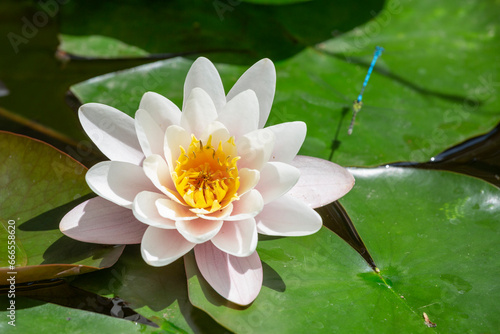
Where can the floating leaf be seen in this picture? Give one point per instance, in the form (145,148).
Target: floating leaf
(432,234)
(39,186)
(33,317)
(95,46)
(159,293)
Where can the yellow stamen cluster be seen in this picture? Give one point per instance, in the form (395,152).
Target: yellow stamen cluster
(207,177)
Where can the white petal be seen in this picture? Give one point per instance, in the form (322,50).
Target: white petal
(321,181)
(261,78)
(248,206)
(100,221)
(204,75)
(162,110)
(249,178)
(118,182)
(241,114)
(149,133)
(112,131)
(238,279)
(238,238)
(160,247)
(276,179)
(145,210)
(288,216)
(255,149)
(157,171)
(289,139)
(199,110)
(175,136)
(172,210)
(198,230)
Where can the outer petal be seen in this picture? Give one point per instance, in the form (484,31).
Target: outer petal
(276,179)
(238,238)
(118,182)
(288,216)
(255,148)
(100,221)
(163,111)
(289,138)
(261,78)
(247,207)
(241,114)
(237,279)
(204,75)
(112,131)
(145,210)
(149,133)
(198,230)
(199,110)
(321,181)
(160,247)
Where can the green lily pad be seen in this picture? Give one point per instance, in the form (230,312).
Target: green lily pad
(432,234)
(38,317)
(96,46)
(433,87)
(219,28)
(158,293)
(39,186)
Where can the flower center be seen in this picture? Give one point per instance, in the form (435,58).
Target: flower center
(206,177)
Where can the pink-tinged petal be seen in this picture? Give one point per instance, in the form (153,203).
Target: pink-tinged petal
(276,179)
(100,221)
(288,217)
(149,133)
(249,178)
(204,75)
(261,78)
(173,210)
(237,279)
(118,182)
(321,181)
(112,131)
(160,247)
(238,238)
(199,110)
(219,214)
(241,114)
(199,230)
(175,137)
(248,206)
(163,111)
(145,210)
(289,139)
(255,148)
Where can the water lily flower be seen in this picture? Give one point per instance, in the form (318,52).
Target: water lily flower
(209,178)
